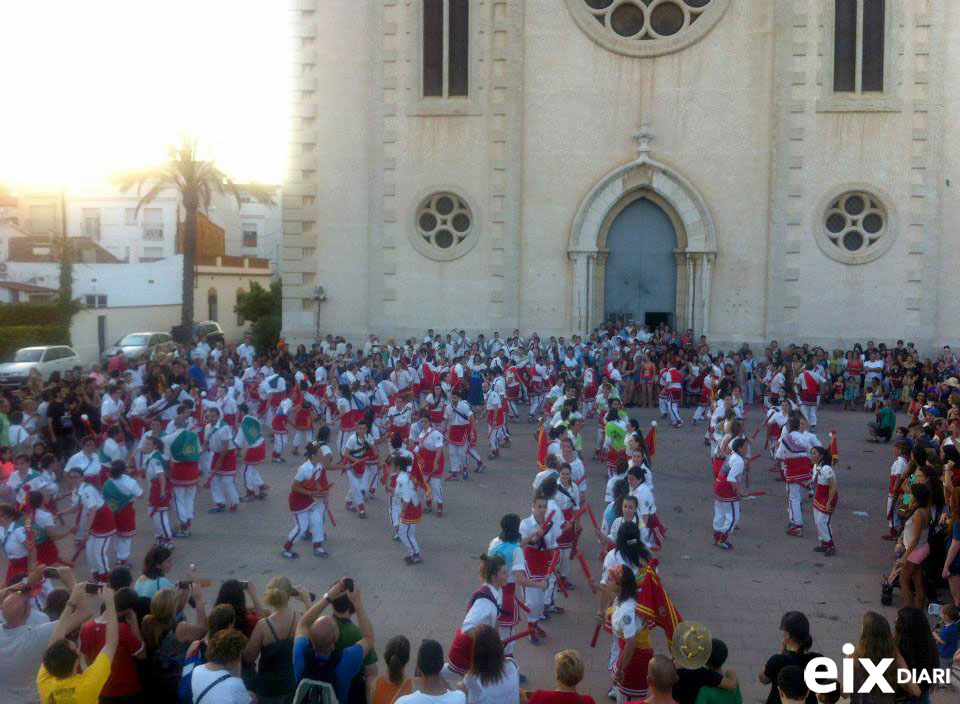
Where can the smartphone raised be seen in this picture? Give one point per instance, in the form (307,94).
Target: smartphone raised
(92,588)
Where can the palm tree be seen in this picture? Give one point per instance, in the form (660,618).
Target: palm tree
(196,180)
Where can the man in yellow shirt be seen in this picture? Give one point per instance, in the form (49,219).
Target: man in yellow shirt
(60,678)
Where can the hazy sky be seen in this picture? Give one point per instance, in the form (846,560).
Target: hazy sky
(90,87)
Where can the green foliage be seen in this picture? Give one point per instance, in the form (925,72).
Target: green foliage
(14,337)
(36,313)
(66,272)
(264,308)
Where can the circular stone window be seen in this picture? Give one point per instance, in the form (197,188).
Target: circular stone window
(646,27)
(855,227)
(444,226)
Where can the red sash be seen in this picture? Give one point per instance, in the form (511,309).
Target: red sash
(717,464)
(540,563)
(460,654)
(155,499)
(184,473)
(126,520)
(302,419)
(225,462)
(137,426)
(255,455)
(279,424)
(722,489)
(431,462)
(811,389)
(457,434)
(566,537)
(404,430)
(350,419)
(797,470)
(510,610)
(411,514)
(104,524)
(299,502)
(820,497)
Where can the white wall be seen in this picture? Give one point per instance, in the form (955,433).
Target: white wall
(119,322)
(225,213)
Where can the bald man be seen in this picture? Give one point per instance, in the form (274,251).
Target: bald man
(661,678)
(315,655)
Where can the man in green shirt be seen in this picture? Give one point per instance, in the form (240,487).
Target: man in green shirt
(882,429)
(350,634)
(729,691)
(4,423)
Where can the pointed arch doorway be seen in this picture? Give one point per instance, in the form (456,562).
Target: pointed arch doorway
(666,193)
(640,280)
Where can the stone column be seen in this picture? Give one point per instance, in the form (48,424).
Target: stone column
(707,263)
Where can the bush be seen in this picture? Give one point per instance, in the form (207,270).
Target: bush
(14,337)
(36,313)
(263,307)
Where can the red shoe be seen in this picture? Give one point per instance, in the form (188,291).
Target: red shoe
(795,531)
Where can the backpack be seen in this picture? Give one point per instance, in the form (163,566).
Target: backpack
(166,664)
(186,673)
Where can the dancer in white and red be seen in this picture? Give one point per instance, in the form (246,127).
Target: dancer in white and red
(391,474)
(411,511)
(95,526)
(507,547)
(87,461)
(273,389)
(568,500)
(514,384)
(537,387)
(483,609)
(307,501)
(158,498)
(773,381)
(112,409)
(824,500)
(901,456)
(184,448)
(590,389)
(457,416)
(249,439)
(350,409)
(218,439)
(652,530)
(119,492)
(539,533)
(399,417)
(358,451)
(305,405)
(794,452)
(429,456)
(674,388)
(810,382)
(383,395)
(726,495)
(776,419)
(281,415)
(136,416)
(496,416)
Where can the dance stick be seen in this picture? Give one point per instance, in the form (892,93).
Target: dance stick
(751,459)
(522,605)
(329,514)
(560,581)
(758,492)
(596,635)
(586,570)
(518,636)
(753,437)
(593,518)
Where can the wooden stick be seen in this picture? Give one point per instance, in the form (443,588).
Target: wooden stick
(593,518)
(596,635)
(518,636)
(758,492)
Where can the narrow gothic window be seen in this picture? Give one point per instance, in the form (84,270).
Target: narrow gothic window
(858,45)
(446,48)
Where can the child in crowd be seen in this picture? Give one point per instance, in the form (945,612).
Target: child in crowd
(947,635)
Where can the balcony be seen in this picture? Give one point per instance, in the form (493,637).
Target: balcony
(154,233)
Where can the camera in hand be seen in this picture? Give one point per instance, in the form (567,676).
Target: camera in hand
(348,583)
(50,573)
(92,588)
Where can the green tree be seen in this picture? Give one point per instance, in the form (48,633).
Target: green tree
(65,251)
(196,180)
(263,307)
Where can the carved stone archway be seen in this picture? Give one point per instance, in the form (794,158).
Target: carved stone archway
(696,238)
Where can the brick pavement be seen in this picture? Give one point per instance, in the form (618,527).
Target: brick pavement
(740,595)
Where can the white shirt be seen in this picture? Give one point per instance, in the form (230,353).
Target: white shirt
(451,696)
(90,465)
(406,491)
(506,690)
(623,621)
(483,611)
(613,559)
(528,526)
(230,691)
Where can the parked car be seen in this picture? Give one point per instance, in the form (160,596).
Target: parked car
(46,360)
(137,343)
(211,330)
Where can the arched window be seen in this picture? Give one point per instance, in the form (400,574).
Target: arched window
(445,47)
(858,45)
(212,304)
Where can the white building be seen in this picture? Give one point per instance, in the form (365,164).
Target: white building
(111,218)
(752,169)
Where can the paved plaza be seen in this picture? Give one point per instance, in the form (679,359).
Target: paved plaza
(740,595)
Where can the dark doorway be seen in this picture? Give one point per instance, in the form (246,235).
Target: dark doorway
(652,320)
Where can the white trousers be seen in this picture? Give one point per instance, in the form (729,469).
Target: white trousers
(408,536)
(123,545)
(536,402)
(493,437)
(810,411)
(699,412)
(355,495)
(252,481)
(505,633)
(223,489)
(795,494)
(310,519)
(279,441)
(824,529)
(301,437)
(726,516)
(206,461)
(436,488)
(535,600)
(664,404)
(394,511)
(370,477)
(458,457)
(183,499)
(675,412)
(161,523)
(98,554)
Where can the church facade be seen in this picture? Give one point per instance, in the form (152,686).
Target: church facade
(751,169)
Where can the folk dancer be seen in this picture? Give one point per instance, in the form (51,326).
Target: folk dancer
(358,451)
(727,493)
(184,449)
(158,498)
(281,413)
(794,452)
(483,609)
(457,416)
(507,547)
(249,438)
(429,459)
(307,502)
(539,533)
(119,493)
(218,440)
(824,500)
(96,525)
(811,381)
(411,510)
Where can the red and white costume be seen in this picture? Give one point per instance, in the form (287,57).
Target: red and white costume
(541,557)
(357,454)
(281,413)
(158,499)
(458,416)
(726,502)
(398,419)
(482,610)
(823,507)
(90,502)
(89,464)
(810,382)
(218,438)
(119,494)
(410,511)
(496,417)
(794,452)
(429,455)
(309,512)
(249,440)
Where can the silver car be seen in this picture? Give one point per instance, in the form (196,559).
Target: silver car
(136,344)
(46,360)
